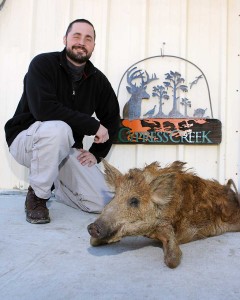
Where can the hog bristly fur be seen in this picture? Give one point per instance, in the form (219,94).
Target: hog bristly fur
(170,204)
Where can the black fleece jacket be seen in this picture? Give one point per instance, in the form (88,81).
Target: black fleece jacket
(49,95)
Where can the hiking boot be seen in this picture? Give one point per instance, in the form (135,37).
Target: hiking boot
(36,208)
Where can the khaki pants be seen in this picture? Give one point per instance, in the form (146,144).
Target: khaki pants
(46,149)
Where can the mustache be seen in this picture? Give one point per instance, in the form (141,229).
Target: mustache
(80,47)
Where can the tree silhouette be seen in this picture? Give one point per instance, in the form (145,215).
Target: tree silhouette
(186,103)
(175,83)
(159,91)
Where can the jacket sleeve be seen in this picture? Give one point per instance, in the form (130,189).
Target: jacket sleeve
(41,92)
(108,114)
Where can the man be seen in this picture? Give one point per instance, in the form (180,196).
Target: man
(62,90)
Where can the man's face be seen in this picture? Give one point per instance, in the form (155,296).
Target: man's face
(79,43)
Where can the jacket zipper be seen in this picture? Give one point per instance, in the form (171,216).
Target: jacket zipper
(73,90)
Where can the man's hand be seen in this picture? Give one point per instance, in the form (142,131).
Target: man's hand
(86,158)
(101,135)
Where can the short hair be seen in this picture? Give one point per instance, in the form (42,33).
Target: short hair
(80,21)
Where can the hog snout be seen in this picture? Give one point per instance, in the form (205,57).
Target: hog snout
(94,230)
(101,230)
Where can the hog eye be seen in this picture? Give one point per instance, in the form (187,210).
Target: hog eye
(134,202)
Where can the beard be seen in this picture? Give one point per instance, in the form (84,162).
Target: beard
(78,57)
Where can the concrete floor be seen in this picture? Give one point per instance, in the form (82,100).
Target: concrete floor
(55,261)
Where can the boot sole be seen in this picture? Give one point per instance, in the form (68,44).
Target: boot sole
(38,221)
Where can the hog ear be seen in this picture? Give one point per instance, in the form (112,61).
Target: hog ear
(112,175)
(162,188)
(149,171)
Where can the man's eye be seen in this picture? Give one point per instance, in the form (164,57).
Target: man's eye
(134,202)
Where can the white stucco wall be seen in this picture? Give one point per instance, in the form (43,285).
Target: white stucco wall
(206,32)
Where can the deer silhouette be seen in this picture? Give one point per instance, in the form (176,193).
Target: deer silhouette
(132,109)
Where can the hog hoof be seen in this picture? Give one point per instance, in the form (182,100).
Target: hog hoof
(173,260)
(172,263)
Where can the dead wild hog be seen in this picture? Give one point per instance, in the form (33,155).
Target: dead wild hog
(171,204)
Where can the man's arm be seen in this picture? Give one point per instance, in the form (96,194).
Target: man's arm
(108,113)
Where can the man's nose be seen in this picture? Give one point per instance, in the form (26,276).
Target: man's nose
(81,42)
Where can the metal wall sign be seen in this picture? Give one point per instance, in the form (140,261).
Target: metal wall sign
(166,100)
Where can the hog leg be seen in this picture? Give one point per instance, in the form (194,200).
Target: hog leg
(172,252)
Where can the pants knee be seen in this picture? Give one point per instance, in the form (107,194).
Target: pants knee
(59,132)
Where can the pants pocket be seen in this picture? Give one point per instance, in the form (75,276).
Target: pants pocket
(31,135)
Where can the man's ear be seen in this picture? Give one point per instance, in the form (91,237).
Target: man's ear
(65,40)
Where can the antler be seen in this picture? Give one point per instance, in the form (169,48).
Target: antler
(148,79)
(134,75)
(139,74)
